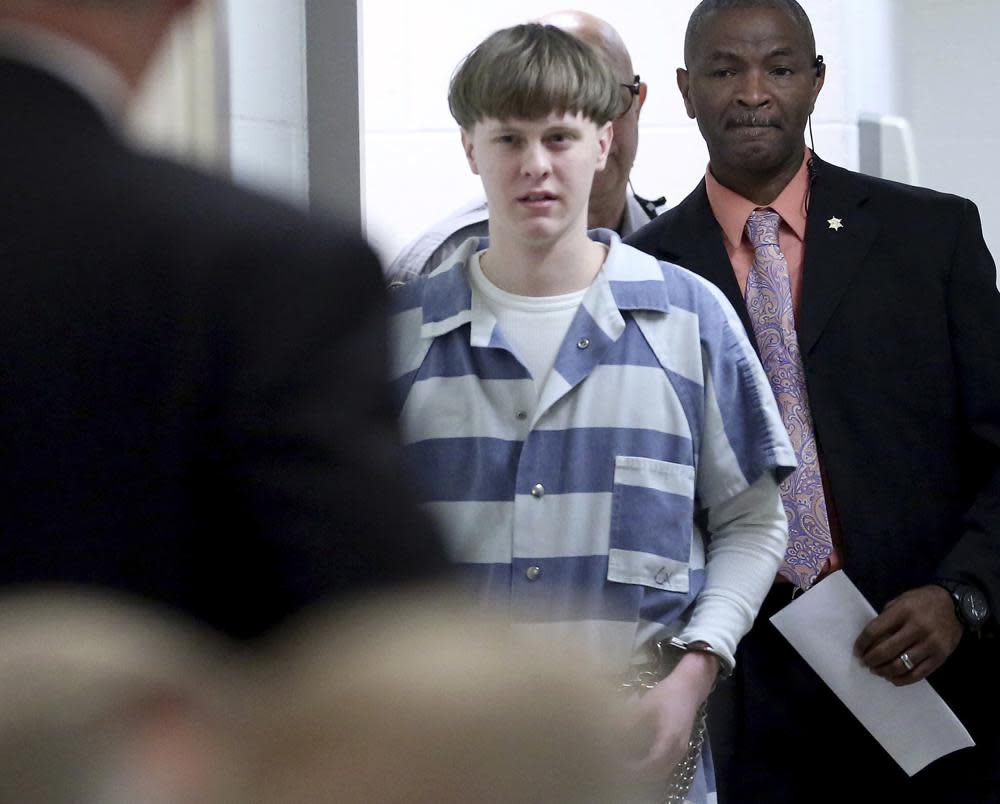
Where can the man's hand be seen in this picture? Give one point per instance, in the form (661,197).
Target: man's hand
(669,709)
(920,623)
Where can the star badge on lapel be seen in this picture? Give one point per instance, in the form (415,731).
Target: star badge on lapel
(836,224)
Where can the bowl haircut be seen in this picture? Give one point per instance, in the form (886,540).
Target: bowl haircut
(530,71)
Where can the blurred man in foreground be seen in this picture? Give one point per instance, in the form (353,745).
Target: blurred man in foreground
(193,406)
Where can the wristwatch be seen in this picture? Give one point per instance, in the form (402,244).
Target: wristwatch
(971,606)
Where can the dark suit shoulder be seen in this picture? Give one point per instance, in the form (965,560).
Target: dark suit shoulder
(183,197)
(890,194)
(648,236)
(205,229)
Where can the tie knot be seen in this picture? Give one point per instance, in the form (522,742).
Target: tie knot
(762,227)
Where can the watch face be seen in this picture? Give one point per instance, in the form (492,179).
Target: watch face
(974,607)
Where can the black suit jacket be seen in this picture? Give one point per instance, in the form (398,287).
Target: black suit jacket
(192,404)
(899,329)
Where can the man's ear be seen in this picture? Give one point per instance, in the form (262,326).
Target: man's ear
(683,84)
(643,89)
(605,134)
(467,147)
(818,80)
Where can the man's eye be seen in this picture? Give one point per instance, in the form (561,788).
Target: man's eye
(781,72)
(723,72)
(506,139)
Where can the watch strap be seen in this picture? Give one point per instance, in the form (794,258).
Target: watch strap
(958,591)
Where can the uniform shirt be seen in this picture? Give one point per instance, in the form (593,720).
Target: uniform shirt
(577,514)
(731,210)
(434,246)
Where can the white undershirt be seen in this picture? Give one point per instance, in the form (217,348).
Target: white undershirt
(534,325)
(749,535)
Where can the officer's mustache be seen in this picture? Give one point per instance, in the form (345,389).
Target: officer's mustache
(752,121)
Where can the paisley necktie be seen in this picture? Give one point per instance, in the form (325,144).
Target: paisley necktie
(769,301)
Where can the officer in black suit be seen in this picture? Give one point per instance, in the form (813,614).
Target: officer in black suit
(898,324)
(193,407)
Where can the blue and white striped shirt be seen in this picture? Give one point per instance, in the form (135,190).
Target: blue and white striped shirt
(576,513)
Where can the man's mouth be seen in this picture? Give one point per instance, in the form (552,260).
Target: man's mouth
(751,122)
(536,198)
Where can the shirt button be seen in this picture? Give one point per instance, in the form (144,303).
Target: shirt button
(521,415)
(538,490)
(583,343)
(532,573)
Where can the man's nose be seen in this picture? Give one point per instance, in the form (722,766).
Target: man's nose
(535,161)
(754,91)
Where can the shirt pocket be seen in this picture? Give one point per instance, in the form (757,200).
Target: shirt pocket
(652,523)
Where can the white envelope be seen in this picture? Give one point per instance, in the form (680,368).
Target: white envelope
(912,723)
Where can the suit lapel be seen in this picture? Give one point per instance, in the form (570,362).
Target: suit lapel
(832,256)
(694,241)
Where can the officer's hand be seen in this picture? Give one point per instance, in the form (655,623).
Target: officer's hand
(920,623)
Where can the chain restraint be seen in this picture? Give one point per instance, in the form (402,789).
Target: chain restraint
(643,679)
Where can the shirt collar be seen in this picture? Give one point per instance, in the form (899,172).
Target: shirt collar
(628,280)
(74,64)
(731,210)
(634,279)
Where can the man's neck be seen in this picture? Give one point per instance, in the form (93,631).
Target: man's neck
(606,212)
(762,189)
(69,61)
(565,266)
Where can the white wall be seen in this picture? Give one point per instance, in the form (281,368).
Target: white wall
(414,168)
(946,79)
(268,127)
